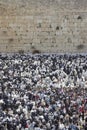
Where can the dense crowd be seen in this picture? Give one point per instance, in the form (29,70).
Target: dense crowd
(43,92)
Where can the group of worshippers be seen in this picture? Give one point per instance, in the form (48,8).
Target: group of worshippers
(43,91)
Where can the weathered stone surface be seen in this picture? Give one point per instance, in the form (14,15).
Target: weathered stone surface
(44,25)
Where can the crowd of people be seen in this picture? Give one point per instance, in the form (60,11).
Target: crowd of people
(43,92)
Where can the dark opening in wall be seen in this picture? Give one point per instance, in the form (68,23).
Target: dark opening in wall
(79,17)
(31,43)
(57,28)
(5,32)
(80,47)
(21,52)
(36,51)
(11,40)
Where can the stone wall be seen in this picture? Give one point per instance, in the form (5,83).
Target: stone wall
(43,25)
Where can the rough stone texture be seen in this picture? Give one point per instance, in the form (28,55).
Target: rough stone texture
(43,25)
